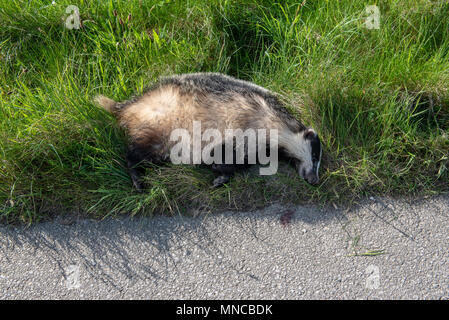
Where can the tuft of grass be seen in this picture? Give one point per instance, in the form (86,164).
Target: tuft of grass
(378,97)
(370,253)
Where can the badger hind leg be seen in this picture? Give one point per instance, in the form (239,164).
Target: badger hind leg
(135,177)
(134,160)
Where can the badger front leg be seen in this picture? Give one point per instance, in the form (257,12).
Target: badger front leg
(225,172)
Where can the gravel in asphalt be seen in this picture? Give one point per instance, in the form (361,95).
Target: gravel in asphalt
(380,249)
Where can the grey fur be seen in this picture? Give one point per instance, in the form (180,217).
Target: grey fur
(219,102)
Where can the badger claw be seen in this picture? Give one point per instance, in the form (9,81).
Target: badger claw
(219,181)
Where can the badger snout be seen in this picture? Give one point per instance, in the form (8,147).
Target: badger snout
(312,179)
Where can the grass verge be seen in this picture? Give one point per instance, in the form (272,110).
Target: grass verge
(378,97)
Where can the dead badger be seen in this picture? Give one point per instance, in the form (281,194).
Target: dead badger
(216,102)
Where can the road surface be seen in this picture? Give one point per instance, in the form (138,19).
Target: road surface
(380,249)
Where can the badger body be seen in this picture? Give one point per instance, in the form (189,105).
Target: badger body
(218,102)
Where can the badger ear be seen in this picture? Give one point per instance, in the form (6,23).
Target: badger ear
(309,134)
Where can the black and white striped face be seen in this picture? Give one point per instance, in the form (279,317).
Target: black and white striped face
(309,165)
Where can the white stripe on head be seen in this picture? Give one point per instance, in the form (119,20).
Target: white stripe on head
(319,161)
(296,146)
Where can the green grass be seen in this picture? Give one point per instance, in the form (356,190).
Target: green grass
(378,97)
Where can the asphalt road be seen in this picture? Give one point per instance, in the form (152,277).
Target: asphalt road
(381,249)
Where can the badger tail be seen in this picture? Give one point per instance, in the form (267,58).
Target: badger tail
(107,103)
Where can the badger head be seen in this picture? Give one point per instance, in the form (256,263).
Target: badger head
(309,160)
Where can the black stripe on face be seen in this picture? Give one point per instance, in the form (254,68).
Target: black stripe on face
(316,149)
